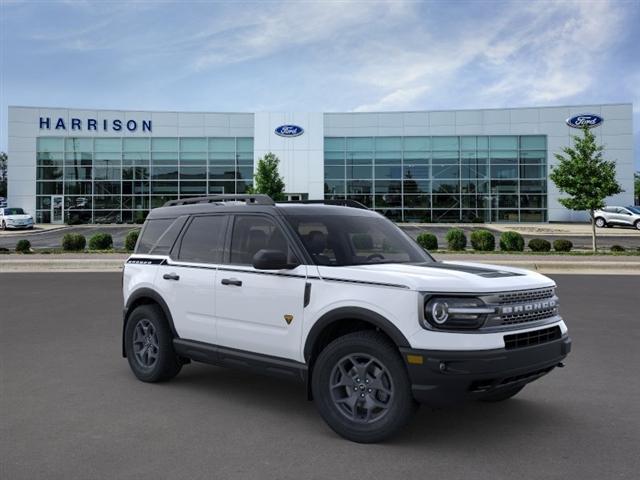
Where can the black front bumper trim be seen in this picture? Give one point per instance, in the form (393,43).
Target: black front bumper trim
(446,377)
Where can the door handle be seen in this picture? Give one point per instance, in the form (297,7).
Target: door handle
(231,281)
(171,276)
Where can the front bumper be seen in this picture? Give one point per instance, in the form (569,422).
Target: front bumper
(444,377)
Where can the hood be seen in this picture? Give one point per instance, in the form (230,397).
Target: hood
(18,217)
(450,277)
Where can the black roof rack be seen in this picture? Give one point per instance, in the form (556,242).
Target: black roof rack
(343,202)
(257,199)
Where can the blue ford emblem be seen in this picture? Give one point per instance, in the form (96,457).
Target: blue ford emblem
(289,131)
(588,120)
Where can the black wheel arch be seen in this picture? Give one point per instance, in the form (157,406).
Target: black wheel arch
(146,296)
(351,314)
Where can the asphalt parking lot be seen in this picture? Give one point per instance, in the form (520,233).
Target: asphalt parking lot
(70,407)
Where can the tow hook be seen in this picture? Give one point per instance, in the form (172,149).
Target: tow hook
(560,365)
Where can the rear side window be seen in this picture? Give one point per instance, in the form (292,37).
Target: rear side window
(158,236)
(203,242)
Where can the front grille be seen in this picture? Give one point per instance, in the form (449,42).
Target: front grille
(525,296)
(528,339)
(523,306)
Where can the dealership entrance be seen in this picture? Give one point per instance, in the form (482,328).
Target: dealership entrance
(57,209)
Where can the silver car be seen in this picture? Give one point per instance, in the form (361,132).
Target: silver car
(623,216)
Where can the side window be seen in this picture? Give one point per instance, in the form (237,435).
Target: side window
(315,237)
(253,233)
(203,242)
(151,233)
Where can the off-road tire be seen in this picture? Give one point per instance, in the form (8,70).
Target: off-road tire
(158,342)
(386,371)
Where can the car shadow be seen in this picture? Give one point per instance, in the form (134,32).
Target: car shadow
(473,424)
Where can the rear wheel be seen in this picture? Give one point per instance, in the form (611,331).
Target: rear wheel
(502,394)
(149,345)
(637,224)
(600,222)
(361,387)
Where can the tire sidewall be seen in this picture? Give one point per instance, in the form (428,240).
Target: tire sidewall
(384,352)
(166,361)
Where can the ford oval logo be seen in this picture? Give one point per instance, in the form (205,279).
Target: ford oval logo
(588,120)
(289,131)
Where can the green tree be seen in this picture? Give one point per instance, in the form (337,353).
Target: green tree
(636,187)
(267,179)
(3,174)
(585,177)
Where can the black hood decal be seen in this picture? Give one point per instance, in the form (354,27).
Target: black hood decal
(482,272)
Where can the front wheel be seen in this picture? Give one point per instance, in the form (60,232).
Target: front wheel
(149,345)
(361,388)
(4,226)
(600,222)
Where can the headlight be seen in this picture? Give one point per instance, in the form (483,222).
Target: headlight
(456,312)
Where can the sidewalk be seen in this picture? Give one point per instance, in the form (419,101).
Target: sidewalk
(588,265)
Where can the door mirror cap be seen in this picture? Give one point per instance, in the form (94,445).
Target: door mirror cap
(271,260)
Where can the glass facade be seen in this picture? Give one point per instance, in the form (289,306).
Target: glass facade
(441,178)
(112,180)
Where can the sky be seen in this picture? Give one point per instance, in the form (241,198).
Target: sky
(318,55)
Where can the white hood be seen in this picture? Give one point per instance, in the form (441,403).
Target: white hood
(18,217)
(454,277)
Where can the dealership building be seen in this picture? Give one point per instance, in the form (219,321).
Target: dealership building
(489,165)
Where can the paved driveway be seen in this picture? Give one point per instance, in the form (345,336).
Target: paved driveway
(71,409)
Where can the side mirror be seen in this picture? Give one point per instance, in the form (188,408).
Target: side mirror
(270,260)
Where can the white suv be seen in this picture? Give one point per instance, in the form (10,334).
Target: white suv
(339,298)
(15,218)
(623,216)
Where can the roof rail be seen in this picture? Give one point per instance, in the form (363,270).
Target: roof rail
(257,199)
(342,202)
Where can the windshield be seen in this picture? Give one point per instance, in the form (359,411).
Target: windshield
(344,240)
(13,211)
(634,209)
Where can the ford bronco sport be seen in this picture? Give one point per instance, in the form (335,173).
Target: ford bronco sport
(339,298)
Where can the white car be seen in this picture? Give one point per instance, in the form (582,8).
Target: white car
(15,218)
(339,298)
(621,216)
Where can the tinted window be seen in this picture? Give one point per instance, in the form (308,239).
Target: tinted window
(339,240)
(254,233)
(158,236)
(203,241)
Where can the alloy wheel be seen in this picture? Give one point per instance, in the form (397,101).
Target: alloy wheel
(361,388)
(145,343)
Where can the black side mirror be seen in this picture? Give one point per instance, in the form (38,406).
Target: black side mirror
(270,260)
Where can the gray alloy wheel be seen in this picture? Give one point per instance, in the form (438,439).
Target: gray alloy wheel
(148,342)
(145,344)
(4,225)
(600,223)
(361,388)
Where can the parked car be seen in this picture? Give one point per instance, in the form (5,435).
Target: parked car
(338,298)
(15,218)
(3,202)
(621,216)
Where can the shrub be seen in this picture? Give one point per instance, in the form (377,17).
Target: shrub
(100,241)
(617,248)
(456,239)
(511,242)
(562,245)
(23,246)
(428,241)
(483,240)
(131,239)
(4,250)
(73,242)
(539,245)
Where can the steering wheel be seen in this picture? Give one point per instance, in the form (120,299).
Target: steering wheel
(375,255)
